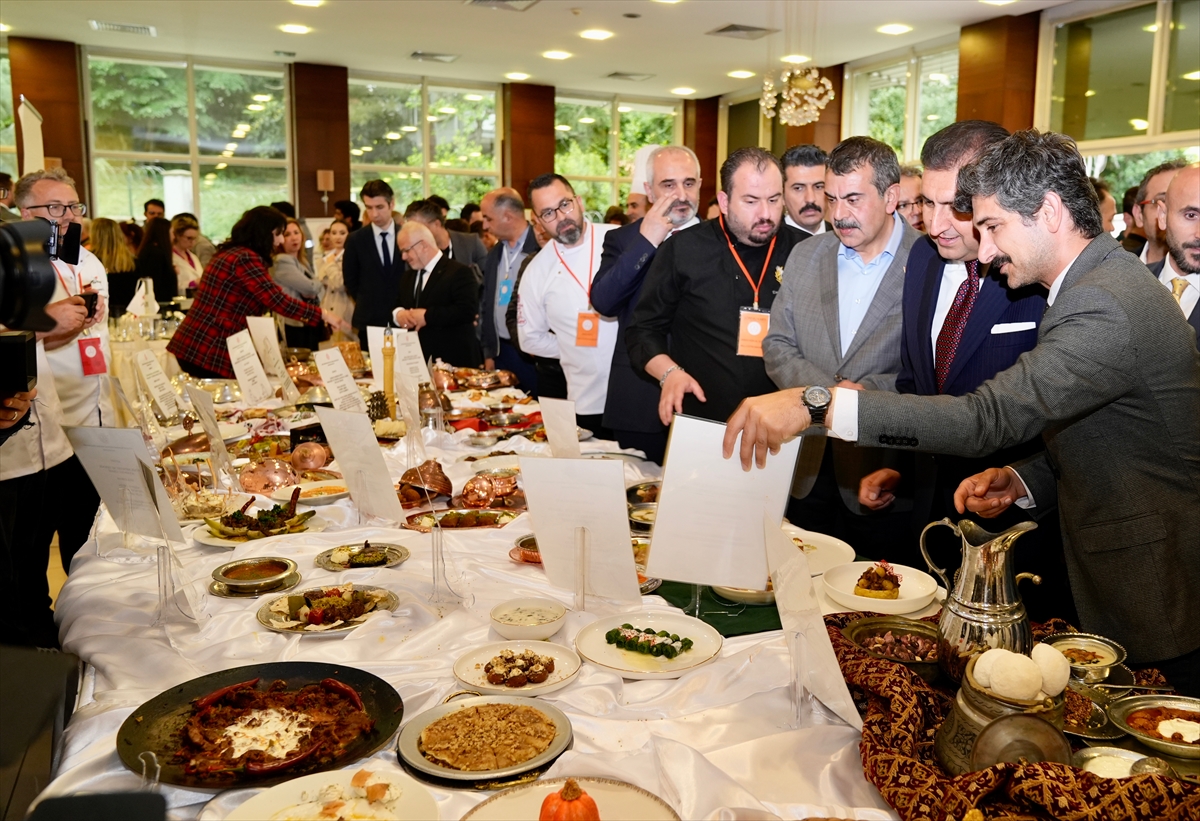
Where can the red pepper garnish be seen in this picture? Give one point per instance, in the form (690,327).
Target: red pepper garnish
(216,695)
(316,616)
(335,686)
(282,764)
(292,503)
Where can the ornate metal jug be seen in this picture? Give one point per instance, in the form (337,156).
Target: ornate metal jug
(983,609)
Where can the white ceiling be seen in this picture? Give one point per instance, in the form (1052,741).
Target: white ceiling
(668,40)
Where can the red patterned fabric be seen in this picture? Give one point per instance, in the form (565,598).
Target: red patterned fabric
(956,321)
(901,716)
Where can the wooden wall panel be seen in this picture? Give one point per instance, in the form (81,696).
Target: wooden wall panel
(700,135)
(528,134)
(320,135)
(826,132)
(997,70)
(47,72)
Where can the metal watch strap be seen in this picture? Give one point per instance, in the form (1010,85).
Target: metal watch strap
(662,380)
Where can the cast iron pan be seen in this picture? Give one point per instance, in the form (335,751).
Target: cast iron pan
(155,726)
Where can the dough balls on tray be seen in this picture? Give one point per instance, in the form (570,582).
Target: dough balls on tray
(1023,678)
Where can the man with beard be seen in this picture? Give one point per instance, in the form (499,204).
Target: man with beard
(1112,386)
(1150,197)
(698,325)
(837,322)
(673,186)
(555,315)
(804,188)
(1179,223)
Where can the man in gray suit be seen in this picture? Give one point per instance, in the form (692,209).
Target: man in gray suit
(836,321)
(1113,387)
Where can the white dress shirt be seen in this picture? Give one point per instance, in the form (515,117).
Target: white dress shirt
(1187,300)
(511,256)
(391,232)
(820,229)
(550,301)
(424,275)
(858,281)
(84,400)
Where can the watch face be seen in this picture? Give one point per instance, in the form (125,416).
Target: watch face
(817,396)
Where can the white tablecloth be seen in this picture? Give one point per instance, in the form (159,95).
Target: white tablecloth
(714,743)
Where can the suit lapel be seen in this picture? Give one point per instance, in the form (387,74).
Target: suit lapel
(887,296)
(829,300)
(924,366)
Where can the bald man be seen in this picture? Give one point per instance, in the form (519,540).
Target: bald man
(438,299)
(1179,225)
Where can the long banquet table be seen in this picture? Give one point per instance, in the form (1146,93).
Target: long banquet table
(714,743)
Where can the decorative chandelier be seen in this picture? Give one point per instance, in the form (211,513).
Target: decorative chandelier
(801,96)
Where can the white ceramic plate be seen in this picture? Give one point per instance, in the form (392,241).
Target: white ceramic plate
(706,645)
(823,552)
(505,462)
(202,535)
(469,667)
(916,589)
(236,503)
(615,800)
(283,495)
(415,801)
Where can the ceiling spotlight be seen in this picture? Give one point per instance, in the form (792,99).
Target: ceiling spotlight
(262,98)
(562,128)
(431,118)
(239,134)
(894,28)
(356,152)
(231,146)
(1192,75)
(293,28)
(683,91)
(997,2)
(447,110)
(5,27)
(740,75)
(368,148)
(667,2)
(1153,27)
(557,55)
(938,77)
(226,153)
(587,120)
(310,3)
(392,135)
(624,109)
(595,34)
(795,59)
(1091,92)
(934,117)
(516,75)
(473,97)
(243,126)
(255,107)
(1139,124)
(408,128)
(221,166)
(211,175)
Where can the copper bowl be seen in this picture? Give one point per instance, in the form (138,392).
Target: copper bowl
(267,475)
(429,475)
(444,380)
(309,456)
(254,575)
(504,480)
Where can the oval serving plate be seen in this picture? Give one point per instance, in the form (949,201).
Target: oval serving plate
(234,502)
(916,589)
(823,552)
(1120,710)
(592,645)
(202,535)
(414,802)
(615,800)
(409,753)
(284,494)
(396,554)
(497,518)
(389,602)
(469,667)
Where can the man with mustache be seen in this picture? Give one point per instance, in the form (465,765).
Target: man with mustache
(555,315)
(837,322)
(698,325)
(804,188)
(1179,224)
(673,187)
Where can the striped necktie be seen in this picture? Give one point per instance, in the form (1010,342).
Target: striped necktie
(956,322)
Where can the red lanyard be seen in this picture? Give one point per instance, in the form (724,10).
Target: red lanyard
(587,290)
(742,265)
(185,257)
(66,287)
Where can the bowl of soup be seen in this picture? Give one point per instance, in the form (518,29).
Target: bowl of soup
(254,575)
(529,619)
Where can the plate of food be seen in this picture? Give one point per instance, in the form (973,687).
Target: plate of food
(356,556)
(519,668)
(194,508)
(457,518)
(261,724)
(649,644)
(879,587)
(1167,723)
(579,797)
(484,738)
(325,610)
(373,793)
(643,492)
(205,535)
(314,493)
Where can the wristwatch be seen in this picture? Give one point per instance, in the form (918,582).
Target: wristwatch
(817,398)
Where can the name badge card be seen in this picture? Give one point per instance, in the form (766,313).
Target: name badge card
(156,381)
(343,390)
(202,404)
(266,342)
(360,461)
(587,329)
(114,459)
(564,494)
(251,377)
(753,325)
(558,415)
(91,356)
(709,525)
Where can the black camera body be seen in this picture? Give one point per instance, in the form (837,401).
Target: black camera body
(26,285)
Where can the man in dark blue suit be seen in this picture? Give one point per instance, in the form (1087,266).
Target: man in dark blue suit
(961,326)
(371,265)
(673,186)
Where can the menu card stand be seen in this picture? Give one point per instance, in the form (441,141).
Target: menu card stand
(443,595)
(581,555)
(800,697)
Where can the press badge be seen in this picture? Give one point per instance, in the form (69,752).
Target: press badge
(92,356)
(587,330)
(753,325)
(505,295)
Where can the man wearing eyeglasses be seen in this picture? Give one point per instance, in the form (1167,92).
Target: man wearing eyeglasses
(912,204)
(1152,194)
(555,315)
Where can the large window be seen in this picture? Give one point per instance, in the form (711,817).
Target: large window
(8,133)
(207,139)
(596,139)
(422,138)
(903,101)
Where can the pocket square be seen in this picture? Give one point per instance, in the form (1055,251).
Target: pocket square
(1013,327)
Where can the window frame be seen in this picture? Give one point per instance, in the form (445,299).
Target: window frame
(193,157)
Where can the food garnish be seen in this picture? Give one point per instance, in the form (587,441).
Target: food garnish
(365,556)
(370,797)
(1167,723)
(646,641)
(879,582)
(237,526)
(324,608)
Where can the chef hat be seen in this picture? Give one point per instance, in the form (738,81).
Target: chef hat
(641,173)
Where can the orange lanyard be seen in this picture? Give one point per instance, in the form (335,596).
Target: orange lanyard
(587,290)
(742,265)
(66,287)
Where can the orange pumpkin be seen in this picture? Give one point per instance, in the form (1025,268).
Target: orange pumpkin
(570,803)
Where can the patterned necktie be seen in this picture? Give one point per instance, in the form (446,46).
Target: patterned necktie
(956,321)
(1178,286)
(387,253)
(419,288)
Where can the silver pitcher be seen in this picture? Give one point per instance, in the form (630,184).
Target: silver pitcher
(983,608)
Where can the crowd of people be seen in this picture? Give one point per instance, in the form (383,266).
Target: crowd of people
(958,338)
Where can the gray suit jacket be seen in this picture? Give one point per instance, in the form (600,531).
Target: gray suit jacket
(468,250)
(804,347)
(1113,387)
(297,281)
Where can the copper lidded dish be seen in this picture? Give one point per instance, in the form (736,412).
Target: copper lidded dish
(504,480)
(254,575)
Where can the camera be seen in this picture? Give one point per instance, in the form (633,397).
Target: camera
(26,285)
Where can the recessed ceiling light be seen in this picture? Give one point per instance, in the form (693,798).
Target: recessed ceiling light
(894,28)
(1091,92)
(255,107)
(938,77)
(667,2)
(473,97)
(294,28)
(226,153)
(221,166)
(740,75)
(262,98)
(310,3)
(557,55)
(408,128)
(934,117)
(392,135)
(624,109)
(595,34)
(1153,27)
(434,164)
(997,2)
(562,128)
(368,148)
(795,59)
(239,134)
(356,152)
(683,91)
(5,27)
(231,146)
(587,120)
(1192,75)
(431,118)
(447,110)
(476,153)
(516,75)
(462,157)
(243,126)
(1139,124)
(211,175)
